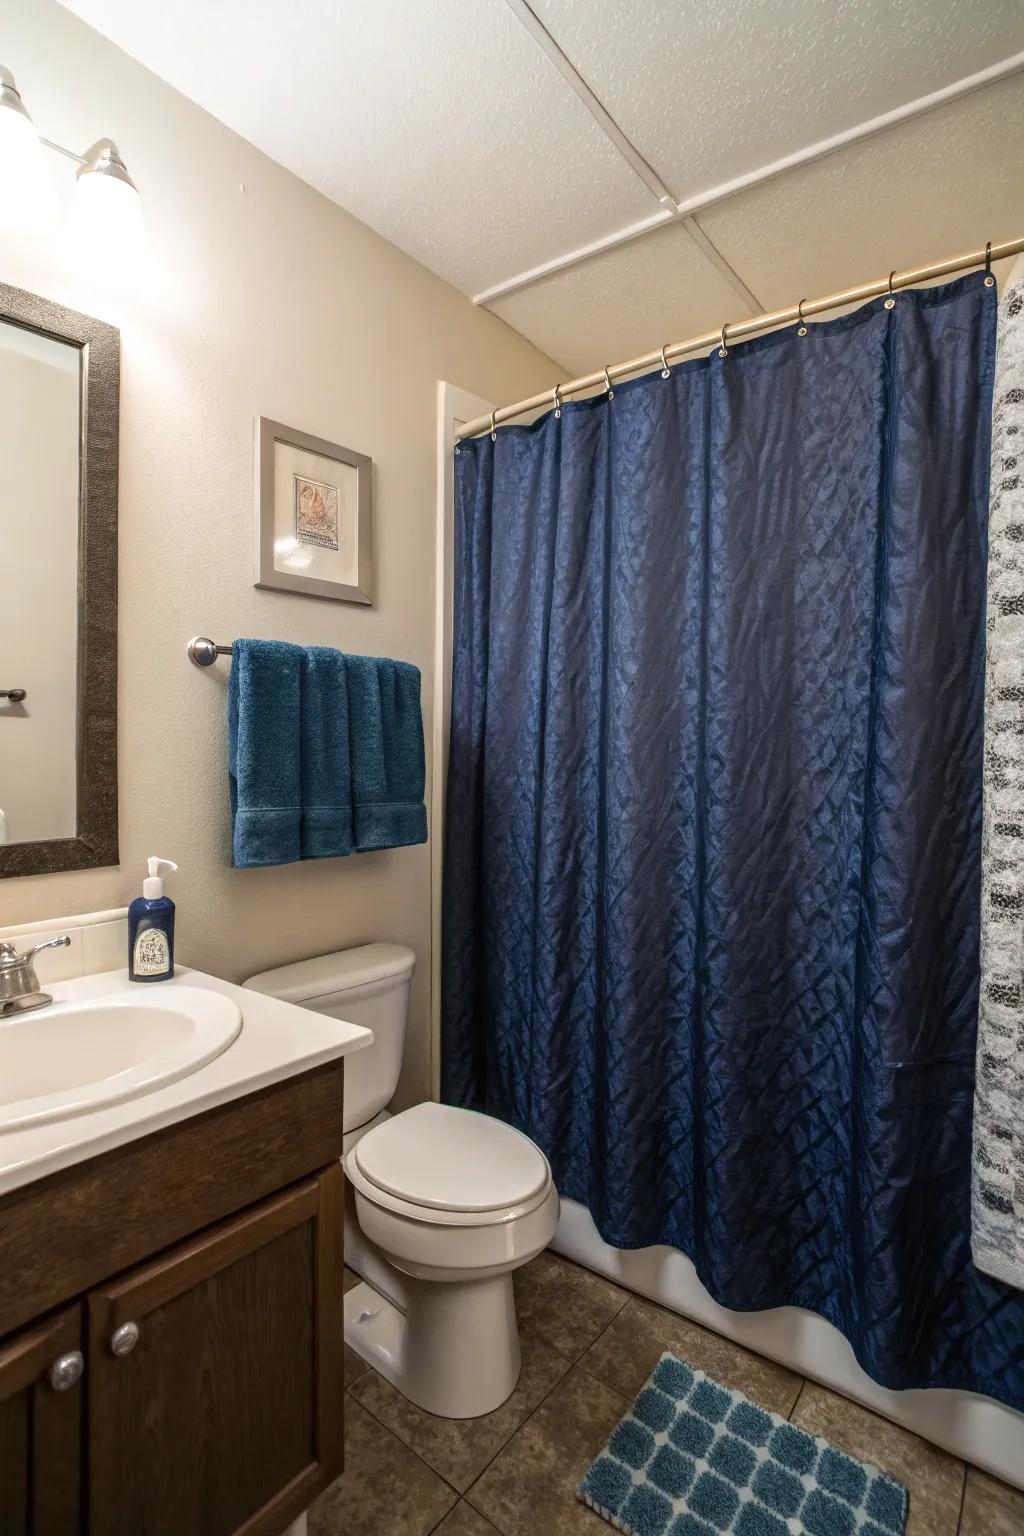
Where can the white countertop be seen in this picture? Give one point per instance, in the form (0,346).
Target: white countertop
(277,1041)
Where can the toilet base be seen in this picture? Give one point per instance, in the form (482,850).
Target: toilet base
(454,1352)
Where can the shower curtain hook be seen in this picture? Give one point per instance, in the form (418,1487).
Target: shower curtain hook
(494,435)
(989,279)
(802,330)
(723,350)
(556,395)
(665,369)
(890,302)
(608,383)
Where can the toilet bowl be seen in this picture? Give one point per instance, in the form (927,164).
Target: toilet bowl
(455,1202)
(442,1204)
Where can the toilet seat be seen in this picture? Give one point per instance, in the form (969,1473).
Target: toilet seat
(450,1167)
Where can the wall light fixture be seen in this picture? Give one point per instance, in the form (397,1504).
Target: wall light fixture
(101,165)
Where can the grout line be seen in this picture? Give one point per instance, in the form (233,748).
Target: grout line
(485,1516)
(464,1496)
(523,1422)
(537,1406)
(422,1459)
(627,1297)
(796,1400)
(464,1493)
(963,1501)
(444,1517)
(411,1449)
(504,1445)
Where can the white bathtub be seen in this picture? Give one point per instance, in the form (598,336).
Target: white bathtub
(969,1425)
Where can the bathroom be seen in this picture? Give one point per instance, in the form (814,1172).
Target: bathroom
(616,406)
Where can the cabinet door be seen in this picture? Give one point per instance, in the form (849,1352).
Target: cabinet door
(41,1428)
(216,1375)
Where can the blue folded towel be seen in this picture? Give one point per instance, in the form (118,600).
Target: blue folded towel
(388,770)
(325,753)
(264,758)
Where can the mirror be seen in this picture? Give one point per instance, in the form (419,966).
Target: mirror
(58,587)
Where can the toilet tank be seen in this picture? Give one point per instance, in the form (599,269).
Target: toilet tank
(368,985)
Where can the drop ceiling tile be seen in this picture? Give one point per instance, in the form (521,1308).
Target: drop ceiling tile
(929,189)
(438,122)
(710,89)
(660,288)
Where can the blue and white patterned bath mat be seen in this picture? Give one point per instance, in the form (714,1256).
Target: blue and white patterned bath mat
(692,1458)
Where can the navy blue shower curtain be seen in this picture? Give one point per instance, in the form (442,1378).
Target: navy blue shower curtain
(713,820)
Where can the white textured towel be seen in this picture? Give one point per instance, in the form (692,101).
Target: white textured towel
(997,1194)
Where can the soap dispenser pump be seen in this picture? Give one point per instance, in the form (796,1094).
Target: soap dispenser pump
(151,928)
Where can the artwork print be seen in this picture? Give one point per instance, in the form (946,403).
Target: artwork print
(316,512)
(313,515)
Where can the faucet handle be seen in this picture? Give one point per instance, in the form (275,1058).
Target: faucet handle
(58,943)
(9,955)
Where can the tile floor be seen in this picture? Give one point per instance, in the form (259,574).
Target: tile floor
(587,1348)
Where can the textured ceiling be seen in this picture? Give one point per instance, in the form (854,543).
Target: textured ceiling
(936,186)
(443,125)
(426,118)
(710,89)
(650,291)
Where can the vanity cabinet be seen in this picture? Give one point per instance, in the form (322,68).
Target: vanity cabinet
(204,1392)
(214,1383)
(41,1392)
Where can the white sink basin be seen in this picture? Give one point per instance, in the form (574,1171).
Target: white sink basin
(74,1056)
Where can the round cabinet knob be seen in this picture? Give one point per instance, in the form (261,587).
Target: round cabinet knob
(124,1339)
(66,1370)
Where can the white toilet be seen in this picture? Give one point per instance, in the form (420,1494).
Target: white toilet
(442,1204)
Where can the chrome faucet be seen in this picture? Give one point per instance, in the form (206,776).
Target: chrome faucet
(19,984)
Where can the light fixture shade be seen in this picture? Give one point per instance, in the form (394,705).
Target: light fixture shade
(10,96)
(26,204)
(104,159)
(106,221)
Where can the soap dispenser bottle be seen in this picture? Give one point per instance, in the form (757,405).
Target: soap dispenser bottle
(151,928)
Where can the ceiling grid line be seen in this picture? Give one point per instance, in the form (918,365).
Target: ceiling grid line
(673,210)
(593,103)
(714,255)
(574,203)
(684,211)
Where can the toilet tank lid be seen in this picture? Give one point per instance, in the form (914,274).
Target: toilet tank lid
(342,971)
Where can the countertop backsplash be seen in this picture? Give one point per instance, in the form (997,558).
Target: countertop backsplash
(99,942)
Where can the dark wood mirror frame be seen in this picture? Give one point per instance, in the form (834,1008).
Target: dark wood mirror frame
(95,840)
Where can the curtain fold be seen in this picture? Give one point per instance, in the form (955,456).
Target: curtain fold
(713,825)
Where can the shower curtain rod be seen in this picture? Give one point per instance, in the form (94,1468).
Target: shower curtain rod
(732,332)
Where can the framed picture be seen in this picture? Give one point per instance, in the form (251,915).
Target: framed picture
(313,514)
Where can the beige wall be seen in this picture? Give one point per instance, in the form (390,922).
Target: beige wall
(263,301)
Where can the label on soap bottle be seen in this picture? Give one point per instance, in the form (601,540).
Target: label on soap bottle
(152,953)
